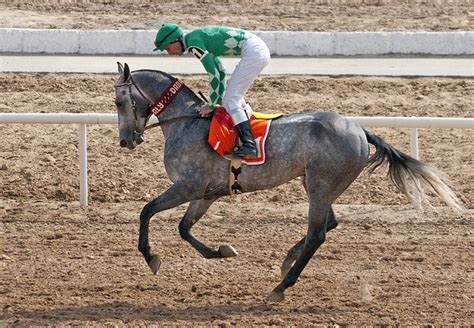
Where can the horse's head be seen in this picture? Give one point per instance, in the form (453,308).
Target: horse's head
(132,108)
(150,92)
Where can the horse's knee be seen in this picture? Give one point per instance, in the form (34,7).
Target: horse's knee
(147,212)
(184,230)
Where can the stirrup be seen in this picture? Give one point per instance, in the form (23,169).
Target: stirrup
(245,151)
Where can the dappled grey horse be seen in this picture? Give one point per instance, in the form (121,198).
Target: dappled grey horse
(326,150)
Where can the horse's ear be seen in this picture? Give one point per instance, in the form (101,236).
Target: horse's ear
(120,68)
(126,72)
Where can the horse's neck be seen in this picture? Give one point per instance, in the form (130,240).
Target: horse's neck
(156,83)
(184,106)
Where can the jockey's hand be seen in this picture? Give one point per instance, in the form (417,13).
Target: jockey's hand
(205,111)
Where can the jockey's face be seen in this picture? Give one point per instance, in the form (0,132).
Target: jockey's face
(175,49)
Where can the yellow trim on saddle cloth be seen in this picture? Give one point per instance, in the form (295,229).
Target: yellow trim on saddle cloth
(264,116)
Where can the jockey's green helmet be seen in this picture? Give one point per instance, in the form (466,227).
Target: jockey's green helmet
(168,33)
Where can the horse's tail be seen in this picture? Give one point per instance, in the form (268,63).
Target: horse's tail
(409,174)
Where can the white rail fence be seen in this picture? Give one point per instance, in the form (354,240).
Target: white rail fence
(83,119)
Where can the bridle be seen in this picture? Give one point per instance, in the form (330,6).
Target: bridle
(129,84)
(157,107)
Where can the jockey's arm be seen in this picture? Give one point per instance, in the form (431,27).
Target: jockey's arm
(216,73)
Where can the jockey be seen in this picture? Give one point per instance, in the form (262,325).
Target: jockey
(207,44)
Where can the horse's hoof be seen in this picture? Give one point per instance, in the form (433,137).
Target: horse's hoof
(275,297)
(227,251)
(155,264)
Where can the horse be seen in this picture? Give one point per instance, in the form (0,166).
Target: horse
(324,149)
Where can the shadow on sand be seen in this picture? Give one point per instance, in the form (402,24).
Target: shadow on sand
(127,312)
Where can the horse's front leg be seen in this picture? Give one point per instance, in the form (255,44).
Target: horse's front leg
(177,194)
(194,212)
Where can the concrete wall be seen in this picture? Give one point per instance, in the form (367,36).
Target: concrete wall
(140,42)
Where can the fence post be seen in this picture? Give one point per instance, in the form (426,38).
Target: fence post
(415,154)
(83,187)
(414,143)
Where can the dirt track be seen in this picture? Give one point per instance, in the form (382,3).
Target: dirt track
(386,264)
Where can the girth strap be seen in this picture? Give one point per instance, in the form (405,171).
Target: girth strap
(235,170)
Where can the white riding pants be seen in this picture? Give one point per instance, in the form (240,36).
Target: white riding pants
(254,57)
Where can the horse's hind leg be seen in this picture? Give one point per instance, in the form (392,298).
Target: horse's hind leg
(291,257)
(194,212)
(296,249)
(332,222)
(315,237)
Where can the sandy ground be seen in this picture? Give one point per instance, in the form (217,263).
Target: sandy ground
(319,15)
(66,266)
(385,264)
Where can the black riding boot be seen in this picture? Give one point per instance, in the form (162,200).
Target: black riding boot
(248,147)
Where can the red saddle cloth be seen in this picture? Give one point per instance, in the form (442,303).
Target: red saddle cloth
(223,138)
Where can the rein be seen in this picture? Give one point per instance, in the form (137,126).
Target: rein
(171,120)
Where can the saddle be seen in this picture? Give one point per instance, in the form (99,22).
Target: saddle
(223,137)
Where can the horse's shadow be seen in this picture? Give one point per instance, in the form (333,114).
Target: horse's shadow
(128,312)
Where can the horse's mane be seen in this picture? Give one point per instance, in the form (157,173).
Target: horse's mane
(154,71)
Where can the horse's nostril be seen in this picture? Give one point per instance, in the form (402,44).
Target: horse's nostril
(123,143)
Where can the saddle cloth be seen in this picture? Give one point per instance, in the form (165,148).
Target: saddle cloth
(223,138)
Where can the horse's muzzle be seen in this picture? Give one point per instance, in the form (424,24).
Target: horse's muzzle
(131,144)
